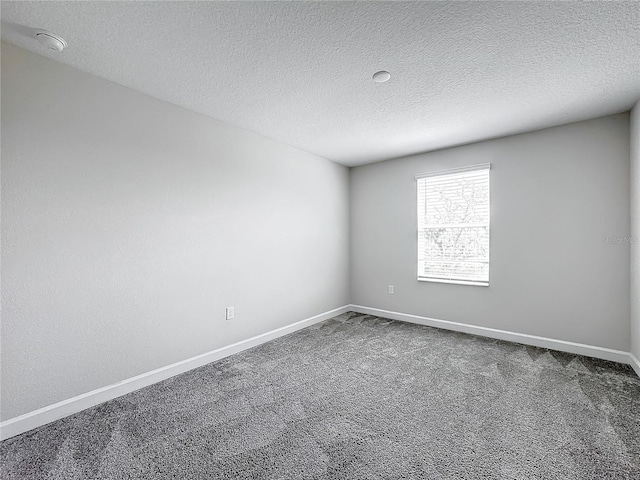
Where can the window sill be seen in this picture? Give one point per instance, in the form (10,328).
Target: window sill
(455,282)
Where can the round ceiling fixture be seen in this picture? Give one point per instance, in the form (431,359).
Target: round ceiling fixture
(381,76)
(51,41)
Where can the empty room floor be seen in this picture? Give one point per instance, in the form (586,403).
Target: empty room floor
(357,397)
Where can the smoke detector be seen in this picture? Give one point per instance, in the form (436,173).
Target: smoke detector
(381,76)
(51,41)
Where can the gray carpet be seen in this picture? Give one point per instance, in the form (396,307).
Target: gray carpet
(357,397)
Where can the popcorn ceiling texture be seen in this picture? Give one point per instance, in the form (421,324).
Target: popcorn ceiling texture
(357,397)
(634,244)
(300,72)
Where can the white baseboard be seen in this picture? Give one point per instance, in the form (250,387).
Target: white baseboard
(543,342)
(42,416)
(635,363)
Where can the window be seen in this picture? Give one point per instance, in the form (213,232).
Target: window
(453,225)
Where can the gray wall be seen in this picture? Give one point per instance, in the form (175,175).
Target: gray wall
(635,231)
(129,224)
(555,195)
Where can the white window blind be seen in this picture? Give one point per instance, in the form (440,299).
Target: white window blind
(453,225)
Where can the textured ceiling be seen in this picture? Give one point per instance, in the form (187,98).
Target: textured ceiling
(301,72)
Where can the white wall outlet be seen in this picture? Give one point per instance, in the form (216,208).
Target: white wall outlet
(391,290)
(230,313)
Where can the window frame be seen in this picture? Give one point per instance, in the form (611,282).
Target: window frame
(419,228)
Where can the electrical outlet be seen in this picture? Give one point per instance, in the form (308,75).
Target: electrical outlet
(391,290)
(230,313)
